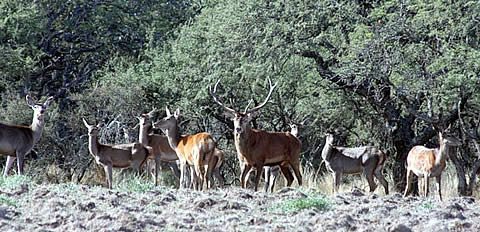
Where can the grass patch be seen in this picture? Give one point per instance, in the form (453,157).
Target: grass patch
(426,206)
(69,187)
(296,205)
(12,182)
(5,200)
(136,183)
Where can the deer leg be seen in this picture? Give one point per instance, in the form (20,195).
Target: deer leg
(409,182)
(267,178)
(296,169)
(20,157)
(8,165)
(336,181)
(426,183)
(259,175)
(183,168)
(369,175)
(287,174)
(218,176)
(245,171)
(421,186)
(439,183)
(108,174)
(381,178)
(173,166)
(274,178)
(155,172)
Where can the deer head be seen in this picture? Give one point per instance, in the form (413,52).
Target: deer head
(38,108)
(241,120)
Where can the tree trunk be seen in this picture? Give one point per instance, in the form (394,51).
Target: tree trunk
(462,187)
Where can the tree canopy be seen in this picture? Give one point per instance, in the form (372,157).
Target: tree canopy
(376,72)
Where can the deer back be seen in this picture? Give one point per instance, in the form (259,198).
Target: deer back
(421,158)
(201,144)
(15,137)
(364,153)
(269,147)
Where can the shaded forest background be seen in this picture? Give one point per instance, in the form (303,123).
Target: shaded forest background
(372,71)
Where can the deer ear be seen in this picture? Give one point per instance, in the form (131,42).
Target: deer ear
(252,115)
(177,113)
(48,102)
(30,101)
(167,111)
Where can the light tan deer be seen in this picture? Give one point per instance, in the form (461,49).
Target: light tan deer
(115,155)
(16,140)
(429,162)
(194,150)
(342,160)
(162,151)
(258,148)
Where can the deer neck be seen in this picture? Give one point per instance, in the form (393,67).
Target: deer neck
(173,136)
(37,128)
(442,153)
(242,140)
(93,144)
(143,134)
(327,151)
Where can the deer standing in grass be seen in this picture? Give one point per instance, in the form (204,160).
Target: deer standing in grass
(429,162)
(115,155)
(272,172)
(343,160)
(194,150)
(258,148)
(16,140)
(161,149)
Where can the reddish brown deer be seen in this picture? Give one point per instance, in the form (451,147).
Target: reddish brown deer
(258,148)
(195,150)
(429,162)
(16,140)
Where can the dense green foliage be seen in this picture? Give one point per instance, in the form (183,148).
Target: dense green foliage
(370,70)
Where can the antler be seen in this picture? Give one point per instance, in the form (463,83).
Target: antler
(272,87)
(150,114)
(212,92)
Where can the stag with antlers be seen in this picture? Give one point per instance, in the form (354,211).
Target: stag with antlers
(258,148)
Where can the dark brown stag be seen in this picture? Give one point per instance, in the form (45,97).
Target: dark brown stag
(258,148)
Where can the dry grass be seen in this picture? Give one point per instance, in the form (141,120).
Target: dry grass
(323,182)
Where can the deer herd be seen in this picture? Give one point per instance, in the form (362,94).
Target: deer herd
(257,150)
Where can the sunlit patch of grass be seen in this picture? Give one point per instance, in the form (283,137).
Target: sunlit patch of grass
(67,187)
(288,206)
(426,206)
(11,182)
(137,183)
(5,200)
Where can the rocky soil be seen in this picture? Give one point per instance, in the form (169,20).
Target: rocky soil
(70,207)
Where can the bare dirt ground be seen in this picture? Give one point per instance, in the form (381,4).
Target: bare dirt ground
(71,207)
